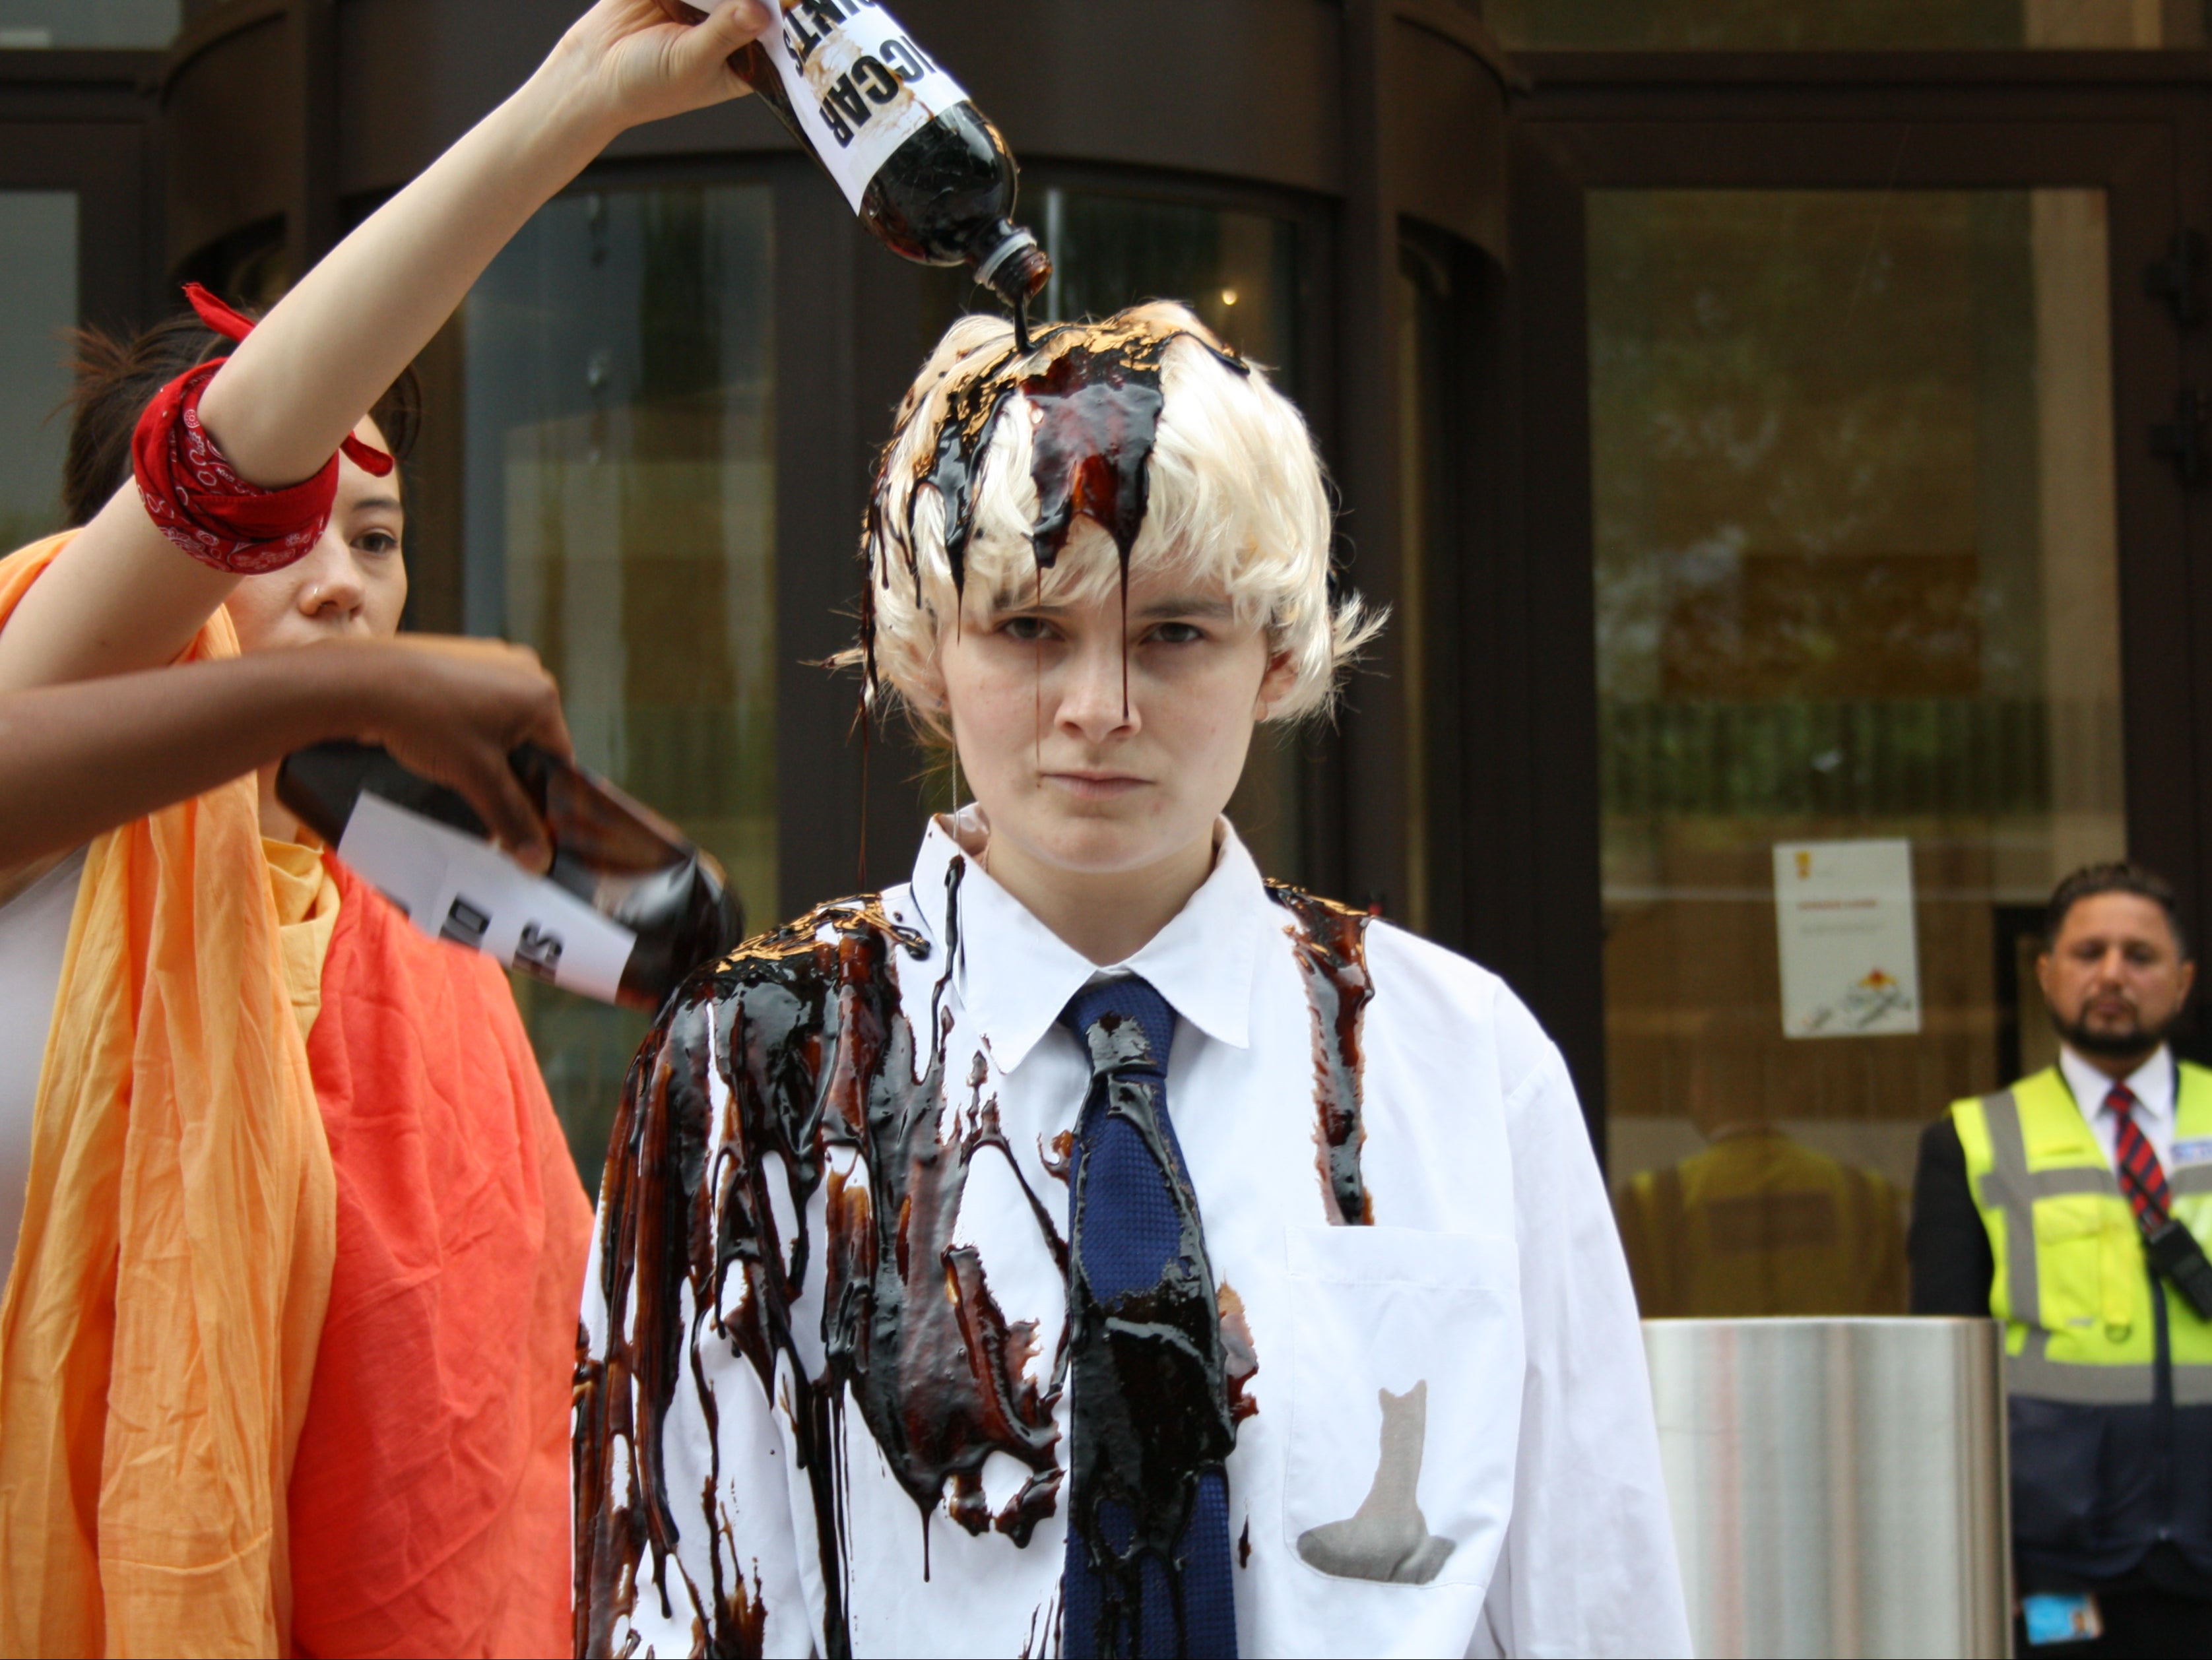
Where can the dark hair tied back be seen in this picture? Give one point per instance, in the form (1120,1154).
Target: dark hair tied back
(116,379)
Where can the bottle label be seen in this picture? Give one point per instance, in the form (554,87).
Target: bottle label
(860,86)
(454,886)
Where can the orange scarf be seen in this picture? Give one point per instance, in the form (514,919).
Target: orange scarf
(429,1502)
(161,1325)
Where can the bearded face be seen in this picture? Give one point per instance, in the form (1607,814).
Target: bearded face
(2115,978)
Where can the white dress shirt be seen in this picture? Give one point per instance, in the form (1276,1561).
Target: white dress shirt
(2152,1084)
(1492,1274)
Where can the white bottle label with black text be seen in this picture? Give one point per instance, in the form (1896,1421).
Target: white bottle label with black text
(859,84)
(455,888)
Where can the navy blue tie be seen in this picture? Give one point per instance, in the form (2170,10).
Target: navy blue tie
(1148,1569)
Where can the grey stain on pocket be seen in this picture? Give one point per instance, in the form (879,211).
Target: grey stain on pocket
(1387,1538)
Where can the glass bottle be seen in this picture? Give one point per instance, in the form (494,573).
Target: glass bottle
(924,168)
(629,908)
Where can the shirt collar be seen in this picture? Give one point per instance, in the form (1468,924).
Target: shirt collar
(1014,975)
(2151,1083)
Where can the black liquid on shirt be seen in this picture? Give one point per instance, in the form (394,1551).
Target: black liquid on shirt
(823,1070)
(820,1066)
(1332,952)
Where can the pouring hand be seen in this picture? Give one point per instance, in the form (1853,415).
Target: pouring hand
(453,710)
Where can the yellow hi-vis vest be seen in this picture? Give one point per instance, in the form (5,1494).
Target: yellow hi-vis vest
(2073,1285)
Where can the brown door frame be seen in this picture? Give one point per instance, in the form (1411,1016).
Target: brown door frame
(2136,128)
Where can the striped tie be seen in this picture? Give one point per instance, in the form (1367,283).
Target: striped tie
(2137,1162)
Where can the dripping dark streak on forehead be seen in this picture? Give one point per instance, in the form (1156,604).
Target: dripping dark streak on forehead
(1095,392)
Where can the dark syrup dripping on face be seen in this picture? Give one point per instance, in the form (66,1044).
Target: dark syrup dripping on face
(1096,401)
(1330,941)
(822,1069)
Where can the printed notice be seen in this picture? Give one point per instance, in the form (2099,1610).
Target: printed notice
(454,886)
(1850,962)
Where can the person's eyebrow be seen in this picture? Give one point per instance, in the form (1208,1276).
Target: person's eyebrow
(1005,601)
(1187,605)
(378,504)
(1211,607)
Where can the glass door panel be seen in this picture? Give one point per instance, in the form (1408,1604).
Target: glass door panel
(38,25)
(1857,642)
(38,307)
(621,519)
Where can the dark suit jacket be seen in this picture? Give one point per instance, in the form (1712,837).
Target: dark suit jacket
(1952,1265)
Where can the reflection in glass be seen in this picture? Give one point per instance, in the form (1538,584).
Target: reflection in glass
(621,520)
(38,307)
(1816,25)
(1852,459)
(1239,272)
(38,24)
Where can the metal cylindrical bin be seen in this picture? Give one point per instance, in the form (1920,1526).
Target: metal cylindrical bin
(1837,1485)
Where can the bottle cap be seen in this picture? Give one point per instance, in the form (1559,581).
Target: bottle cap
(1001,261)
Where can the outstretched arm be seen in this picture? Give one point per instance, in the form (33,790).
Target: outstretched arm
(122,597)
(77,760)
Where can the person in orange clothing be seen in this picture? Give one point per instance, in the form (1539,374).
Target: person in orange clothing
(428,1501)
(285,1355)
(81,759)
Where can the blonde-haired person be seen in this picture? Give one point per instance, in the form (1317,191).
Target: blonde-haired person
(1235,495)
(1086,1246)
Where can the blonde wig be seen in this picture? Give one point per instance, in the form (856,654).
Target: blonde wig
(1237,496)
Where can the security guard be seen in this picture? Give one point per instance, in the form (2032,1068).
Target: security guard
(2071,1206)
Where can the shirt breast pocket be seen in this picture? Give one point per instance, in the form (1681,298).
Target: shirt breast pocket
(1406,1403)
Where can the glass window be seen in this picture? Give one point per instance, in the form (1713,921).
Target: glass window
(1815,25)
(1424,499)
(620,514)
(1240,272)
(1858,660)
(37,24)
(38,307)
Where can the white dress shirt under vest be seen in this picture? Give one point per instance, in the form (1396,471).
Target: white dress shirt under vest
(1492,1274)
(2152,1084)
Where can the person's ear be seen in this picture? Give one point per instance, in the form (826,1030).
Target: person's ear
(2042,976)
(1281,678)
(2188,979)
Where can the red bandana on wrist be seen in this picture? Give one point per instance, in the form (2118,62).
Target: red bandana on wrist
(199,502)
